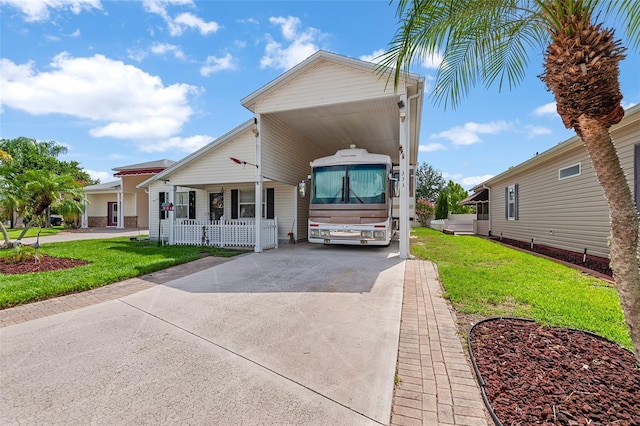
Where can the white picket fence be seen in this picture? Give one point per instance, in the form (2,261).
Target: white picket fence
(225,233)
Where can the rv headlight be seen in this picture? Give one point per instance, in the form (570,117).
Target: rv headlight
(379,235)
(324,232)
(315,233)
(365,234)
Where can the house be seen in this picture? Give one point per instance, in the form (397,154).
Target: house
(121,203)
(243,185)
(555,198)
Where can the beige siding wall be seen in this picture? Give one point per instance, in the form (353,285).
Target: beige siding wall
(136,201)
(98,203)
(325,84)
(216,167)
(154,210)
(571,213)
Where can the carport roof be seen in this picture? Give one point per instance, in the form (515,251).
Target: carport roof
(371,123)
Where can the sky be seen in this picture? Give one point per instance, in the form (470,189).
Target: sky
(126,82)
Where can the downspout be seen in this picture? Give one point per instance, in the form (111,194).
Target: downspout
(489,205)
(171,215)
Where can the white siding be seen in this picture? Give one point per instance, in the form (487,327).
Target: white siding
(285,154)
(216,167)
(326,83)
(570,213)
(154,210)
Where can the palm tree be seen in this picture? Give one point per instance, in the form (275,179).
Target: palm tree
(488,41)
(45,189)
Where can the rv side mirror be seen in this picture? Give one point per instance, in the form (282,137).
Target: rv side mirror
(395,182)
(302,189)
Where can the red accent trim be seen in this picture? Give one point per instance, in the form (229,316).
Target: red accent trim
(314,224)
(380,226)
(138,172)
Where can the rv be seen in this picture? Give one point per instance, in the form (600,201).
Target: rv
(351,198)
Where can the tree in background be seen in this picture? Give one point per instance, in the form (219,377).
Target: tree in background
(442,206)
(455,194)
(28,161)
(489,41)
(429,182)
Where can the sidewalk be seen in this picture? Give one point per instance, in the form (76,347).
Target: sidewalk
(436,383)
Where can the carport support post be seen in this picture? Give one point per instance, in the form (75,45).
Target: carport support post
(258,205)
(405,155)
(171,215)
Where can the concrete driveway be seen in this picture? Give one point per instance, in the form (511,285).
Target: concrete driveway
(300,335)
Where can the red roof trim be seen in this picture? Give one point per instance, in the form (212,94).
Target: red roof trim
(138,172)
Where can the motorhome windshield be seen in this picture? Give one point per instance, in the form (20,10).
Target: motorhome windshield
(349,184)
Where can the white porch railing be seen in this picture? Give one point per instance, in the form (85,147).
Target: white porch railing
(225,233)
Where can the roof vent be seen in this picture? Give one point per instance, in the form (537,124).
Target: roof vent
(352,146)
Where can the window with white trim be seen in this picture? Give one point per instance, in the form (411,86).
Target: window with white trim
(181,205)
(570,171)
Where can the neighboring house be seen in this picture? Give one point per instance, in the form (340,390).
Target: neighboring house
(121,203)
(323,104)
(555,198)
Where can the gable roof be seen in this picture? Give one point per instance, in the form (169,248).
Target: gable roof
(149,167)
(103,187)
(196,154)
(251,100)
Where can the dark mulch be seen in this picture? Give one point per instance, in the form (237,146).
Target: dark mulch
(537,375)
(45,263)
(594,263)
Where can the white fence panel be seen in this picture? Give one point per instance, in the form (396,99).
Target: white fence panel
(225,233)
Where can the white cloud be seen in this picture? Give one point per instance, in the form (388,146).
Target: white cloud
(471,181)
(533,131)
(373,57)
(192,21)
(38,10)
(136,54)
(215,64)
(627,105)
(300,45)
(432,61)
(104,177)
(75,34)
(181,22)
(546,109)
(164,48)
(188,144)
(470,132)
(431,147)
(121,100)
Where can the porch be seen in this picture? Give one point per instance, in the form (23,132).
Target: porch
(226,233)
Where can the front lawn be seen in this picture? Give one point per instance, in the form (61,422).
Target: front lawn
(32,232)
(112,260)
(483,277)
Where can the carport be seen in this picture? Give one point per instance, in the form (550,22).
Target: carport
(329,102)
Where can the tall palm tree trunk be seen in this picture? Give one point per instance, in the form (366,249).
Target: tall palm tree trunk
(624,221)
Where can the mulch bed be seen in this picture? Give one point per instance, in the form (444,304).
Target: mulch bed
(45,263)
(594,263)
(536,375)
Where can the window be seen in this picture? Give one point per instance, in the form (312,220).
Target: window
(482,211)
(185,205)
(163,197)
(511,202)
(243,204)
(570,171)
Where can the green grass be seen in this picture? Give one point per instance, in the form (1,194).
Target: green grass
(483,277)
(112,260)
(32,232)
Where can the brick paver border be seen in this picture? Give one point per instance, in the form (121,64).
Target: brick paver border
(436,384)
